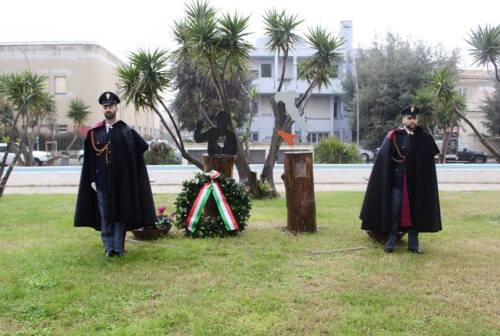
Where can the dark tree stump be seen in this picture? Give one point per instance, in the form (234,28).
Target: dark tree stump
(223,164)
(299,185)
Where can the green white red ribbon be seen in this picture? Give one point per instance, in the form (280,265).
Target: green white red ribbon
(213,188)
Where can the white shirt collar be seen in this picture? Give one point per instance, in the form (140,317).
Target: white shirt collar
(108,126)
(408,131)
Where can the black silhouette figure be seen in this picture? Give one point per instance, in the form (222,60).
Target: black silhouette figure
(220,139)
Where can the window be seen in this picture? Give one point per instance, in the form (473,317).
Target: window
(62,128)
(336,109)
(266,70)
(463,92)
(60,85)
(315,137)
(253,136)
(265,105)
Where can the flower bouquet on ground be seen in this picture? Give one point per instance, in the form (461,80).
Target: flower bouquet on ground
(158,229)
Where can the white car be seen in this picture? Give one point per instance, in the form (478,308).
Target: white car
(80,156)
(40,157)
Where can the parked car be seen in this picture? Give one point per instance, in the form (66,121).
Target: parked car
(468,155)
(40,157)
(366,155)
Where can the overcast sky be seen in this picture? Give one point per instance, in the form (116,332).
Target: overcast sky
(124,26)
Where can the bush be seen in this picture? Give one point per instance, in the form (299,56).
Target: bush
(160,153)
(332,150)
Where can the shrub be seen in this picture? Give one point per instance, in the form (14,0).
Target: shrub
(332,150)
(160,153)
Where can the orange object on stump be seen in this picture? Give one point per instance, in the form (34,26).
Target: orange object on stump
(224,164)
(299,186)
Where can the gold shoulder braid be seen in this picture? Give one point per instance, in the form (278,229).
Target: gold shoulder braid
(99,152)
(403,157)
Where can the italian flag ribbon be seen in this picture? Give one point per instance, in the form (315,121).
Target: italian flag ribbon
(213,188)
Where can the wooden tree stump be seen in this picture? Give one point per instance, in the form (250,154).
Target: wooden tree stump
(223,164)
(299,186)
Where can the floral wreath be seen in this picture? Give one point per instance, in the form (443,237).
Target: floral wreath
(233,193)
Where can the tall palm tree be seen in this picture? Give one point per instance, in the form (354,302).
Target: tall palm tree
(144,82)
(281,27)
(44,108)
(424,99)
(78,112)
(485,44)
(442,83)
(24,92)
(317,70)
(219,48)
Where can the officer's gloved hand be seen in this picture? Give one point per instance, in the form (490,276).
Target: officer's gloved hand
(92,185)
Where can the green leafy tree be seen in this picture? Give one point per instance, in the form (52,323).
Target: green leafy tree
(485,44)
(442,83)
(389,75)
(78,112)
(24,92)
(491,107)
(197,98)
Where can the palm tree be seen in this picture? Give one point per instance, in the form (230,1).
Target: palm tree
(486,46)
(280,28)
(24,92)
(443,86)
(218,47)
(317,70)
(78,112)
(144,82)
(44,108)
(424,99)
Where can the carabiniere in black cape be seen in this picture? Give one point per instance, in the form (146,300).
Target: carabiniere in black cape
(421,181)
(131,196)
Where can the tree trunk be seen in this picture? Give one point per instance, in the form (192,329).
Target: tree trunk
(444,145)
(72,141)
(474,129)
(299,185)
(5,178)
(266,176)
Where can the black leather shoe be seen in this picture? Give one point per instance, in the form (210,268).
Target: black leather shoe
(117,254)
(110,253)
(417,250)
(388,249)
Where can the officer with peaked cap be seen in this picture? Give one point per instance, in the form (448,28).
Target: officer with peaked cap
(402,193)
(114,194)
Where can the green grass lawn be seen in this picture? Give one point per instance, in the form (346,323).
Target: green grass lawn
(55,280)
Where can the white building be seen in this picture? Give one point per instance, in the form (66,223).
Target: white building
(475,86)
(75,69)
(324,113)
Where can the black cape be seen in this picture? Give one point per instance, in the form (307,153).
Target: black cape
(131,197)
(421,186)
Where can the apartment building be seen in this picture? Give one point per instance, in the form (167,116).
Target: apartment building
(75,69)
(475,86)
(324,113)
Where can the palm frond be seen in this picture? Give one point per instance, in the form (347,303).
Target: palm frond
(485,44)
